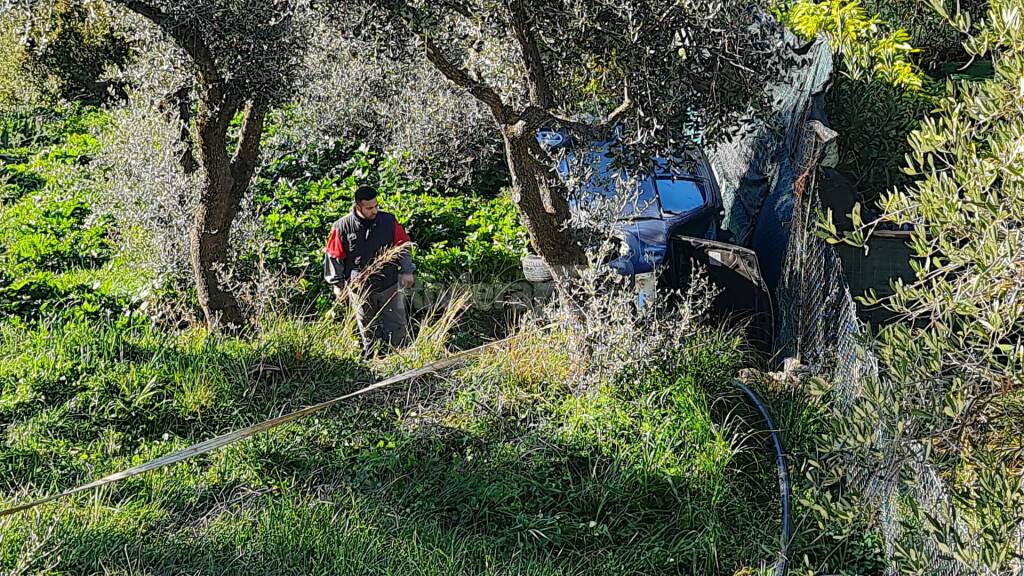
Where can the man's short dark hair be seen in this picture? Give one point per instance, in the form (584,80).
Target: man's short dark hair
(364,193)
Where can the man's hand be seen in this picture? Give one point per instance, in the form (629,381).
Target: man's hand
(407,281)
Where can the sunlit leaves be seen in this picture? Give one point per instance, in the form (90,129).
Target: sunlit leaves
(868,45)
(955,355)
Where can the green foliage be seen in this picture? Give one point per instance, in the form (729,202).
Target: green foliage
(462,239)
(457,238)
(23,132)
(17,88)
(868,45)
(44,295)
(53,236)
(504,470)
(63,53)
(847,542)
(44,226)
(74,51)
(874,120)
(883,94)
(17,180)
(937,42)
(954,364)
(47,235)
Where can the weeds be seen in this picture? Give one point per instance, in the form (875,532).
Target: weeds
(507,466)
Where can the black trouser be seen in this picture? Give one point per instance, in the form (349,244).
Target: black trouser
(381,316)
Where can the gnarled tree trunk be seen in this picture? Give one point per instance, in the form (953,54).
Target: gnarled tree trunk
(538,193)
(223,88)
(176,107)
(225,182)
(542,204)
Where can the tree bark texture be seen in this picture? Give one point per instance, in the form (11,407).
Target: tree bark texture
(538,192)
(225,182)
(225,179)
(542,204)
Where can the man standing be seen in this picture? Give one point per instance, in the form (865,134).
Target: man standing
(355,243)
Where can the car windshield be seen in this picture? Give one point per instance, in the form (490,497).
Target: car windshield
(670,192)
(603,188)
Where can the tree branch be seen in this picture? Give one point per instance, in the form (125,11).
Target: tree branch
(480,90)
(184,36)
(620,111)
(537,80)
(177,108)
(413,20)
(243,163)
(535,118)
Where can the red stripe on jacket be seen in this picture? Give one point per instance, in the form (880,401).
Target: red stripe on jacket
(400,236)
(334,248)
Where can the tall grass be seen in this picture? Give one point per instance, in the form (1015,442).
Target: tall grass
(599,446)
(509,465)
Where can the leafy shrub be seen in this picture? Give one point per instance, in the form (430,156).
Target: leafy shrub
(17,89)
(868,45)
(29,130)
(874,120)
(150,198)
(69,50)
(42,295)
(936,41)
(400,104)
(951,368)
(54,236)
(22,136)
(48,231)
(53,228)
(476,262)
(457,238)
(463,238)
(17,180)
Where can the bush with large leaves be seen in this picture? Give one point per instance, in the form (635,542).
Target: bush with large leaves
(458,239)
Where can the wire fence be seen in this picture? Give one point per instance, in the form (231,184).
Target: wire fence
(819,327)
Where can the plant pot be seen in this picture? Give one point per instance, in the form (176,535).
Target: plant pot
(535,269)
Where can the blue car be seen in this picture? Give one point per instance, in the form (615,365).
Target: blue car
(669,221)
(732,220)
(675,199)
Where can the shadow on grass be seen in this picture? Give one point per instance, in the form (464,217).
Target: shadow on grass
(80,402)
(441,501)
(372,487)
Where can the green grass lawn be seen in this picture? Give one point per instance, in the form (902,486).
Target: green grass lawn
(498,467)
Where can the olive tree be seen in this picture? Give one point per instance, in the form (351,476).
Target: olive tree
(356,90)
(241,56)
(946,408)
(67,50)
(658,72)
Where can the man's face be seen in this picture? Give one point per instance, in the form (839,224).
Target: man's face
(367,208)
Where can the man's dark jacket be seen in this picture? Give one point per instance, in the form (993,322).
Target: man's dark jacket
(354,243)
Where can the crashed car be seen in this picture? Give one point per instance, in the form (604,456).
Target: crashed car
(670,200)
(664,221)
(728,208)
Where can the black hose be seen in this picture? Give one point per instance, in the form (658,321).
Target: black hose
(784,488)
